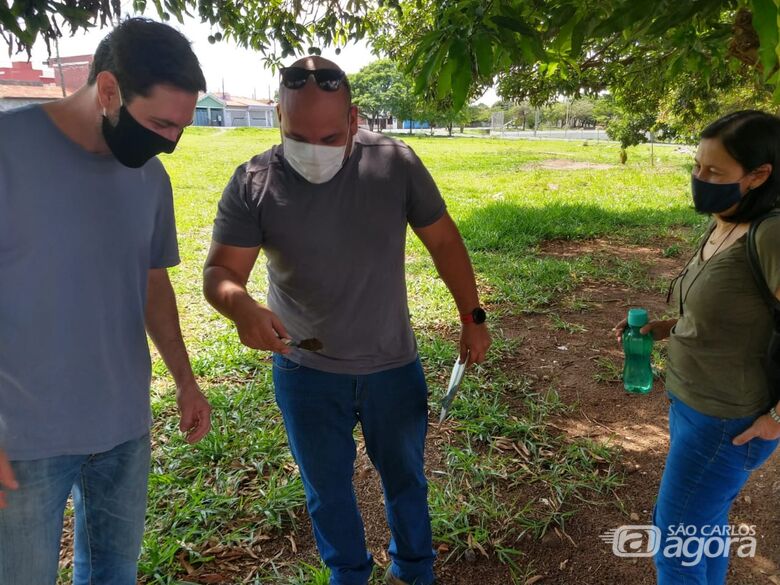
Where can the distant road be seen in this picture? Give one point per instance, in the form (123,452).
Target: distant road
(592,135)
(572,134)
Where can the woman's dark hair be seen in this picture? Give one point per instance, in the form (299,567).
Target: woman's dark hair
(142,53)
(752,138)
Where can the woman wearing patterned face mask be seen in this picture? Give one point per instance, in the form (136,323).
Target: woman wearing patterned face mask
(723,416)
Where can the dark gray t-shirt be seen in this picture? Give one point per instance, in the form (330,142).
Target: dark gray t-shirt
(336,251)
(78,235)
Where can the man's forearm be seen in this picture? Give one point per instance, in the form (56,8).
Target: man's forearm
(453,265)
(162,324)
(225,292)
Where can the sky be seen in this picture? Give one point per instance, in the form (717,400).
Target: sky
(241,70)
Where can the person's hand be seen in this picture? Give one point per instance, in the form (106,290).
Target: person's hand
(195,413)
(763,428)
(659,329)
(7,479)
(474,343)
(259,328)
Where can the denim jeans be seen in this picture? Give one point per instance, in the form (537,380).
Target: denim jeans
(109,500)
(703,475)
(321,411)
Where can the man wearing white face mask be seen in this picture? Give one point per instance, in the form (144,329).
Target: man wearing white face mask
(330,208)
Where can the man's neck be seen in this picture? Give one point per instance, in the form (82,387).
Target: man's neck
(77,116)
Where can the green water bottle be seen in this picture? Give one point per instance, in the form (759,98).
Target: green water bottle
(637,348)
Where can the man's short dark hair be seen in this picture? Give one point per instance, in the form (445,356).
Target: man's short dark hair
(142,53)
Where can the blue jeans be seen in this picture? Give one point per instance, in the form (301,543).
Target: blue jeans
(321,411)
(109,500)
(704,474)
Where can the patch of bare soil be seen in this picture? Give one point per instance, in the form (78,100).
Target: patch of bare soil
(577,365)
(574,364)
(562,164)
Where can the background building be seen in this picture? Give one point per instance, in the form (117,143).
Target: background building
(230,111)
(22,85)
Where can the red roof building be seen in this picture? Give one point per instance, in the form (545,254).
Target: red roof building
(21,84)
(75,71)
(23,71)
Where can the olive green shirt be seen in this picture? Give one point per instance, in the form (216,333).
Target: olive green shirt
(718,347)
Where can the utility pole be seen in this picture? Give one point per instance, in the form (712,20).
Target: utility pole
(59,66)
(536,120)
(652,149)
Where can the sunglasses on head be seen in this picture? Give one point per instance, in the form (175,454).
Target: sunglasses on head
(327,79)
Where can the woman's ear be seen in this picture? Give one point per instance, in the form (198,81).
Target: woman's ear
(760,175)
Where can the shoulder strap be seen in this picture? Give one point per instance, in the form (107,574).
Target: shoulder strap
(755,266)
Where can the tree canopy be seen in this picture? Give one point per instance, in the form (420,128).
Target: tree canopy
(454,49)
(381,88)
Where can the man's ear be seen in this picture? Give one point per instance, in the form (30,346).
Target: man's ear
(353,120)
(108,92)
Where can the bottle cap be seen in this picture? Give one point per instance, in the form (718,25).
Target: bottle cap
(637,318)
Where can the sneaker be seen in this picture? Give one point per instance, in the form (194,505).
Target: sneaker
(391,579)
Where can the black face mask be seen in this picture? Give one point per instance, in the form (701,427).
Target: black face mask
(132,143)
(714,197)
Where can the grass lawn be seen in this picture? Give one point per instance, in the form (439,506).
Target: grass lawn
(240,486)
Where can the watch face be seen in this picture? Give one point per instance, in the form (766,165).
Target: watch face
(478,315)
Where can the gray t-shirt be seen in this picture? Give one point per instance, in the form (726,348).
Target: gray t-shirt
(78,235)
(336,251)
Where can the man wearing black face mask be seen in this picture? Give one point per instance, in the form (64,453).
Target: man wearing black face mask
(86,234)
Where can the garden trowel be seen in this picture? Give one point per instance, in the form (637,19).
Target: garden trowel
(458,370)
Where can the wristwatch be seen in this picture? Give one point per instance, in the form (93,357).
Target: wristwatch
(477,316)
(773,415)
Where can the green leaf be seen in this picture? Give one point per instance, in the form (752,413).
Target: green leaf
(675,66)
(681,12)
(513,24)
(624,17)
(461,84)
(461,74)
(765,21)
(432,64)
(483,48)
(444,83)
(577,38)
(563,41)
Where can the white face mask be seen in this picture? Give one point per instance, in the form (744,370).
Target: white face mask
(315,162)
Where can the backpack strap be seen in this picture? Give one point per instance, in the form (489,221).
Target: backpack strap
(755,267)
